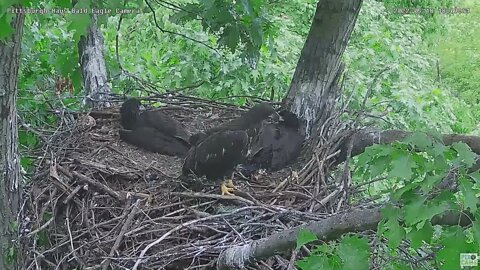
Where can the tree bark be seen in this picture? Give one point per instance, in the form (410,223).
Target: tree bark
(314,84)
(365,138)
(10,177)
(94,71)
(328,229)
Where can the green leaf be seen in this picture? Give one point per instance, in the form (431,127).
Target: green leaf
(416,236)
(316,262)
(230,37)
(63,3)
(394,233)
(42,238)
(401,266)
(402,167)
(378,166)
(322,249)
(304,237)
(454,242)
(26,163)
(354,252)
(256,33)
(405,193)
(430,182)
(465,154)
(476,227)
(470,200)
(6,29)
(475,176)
(439,149)
(246,6)
(27,139)
(79,22)
(416,211)
(419,140)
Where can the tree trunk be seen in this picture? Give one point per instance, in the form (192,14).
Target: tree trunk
(314,83)
(10,178)
(94,71)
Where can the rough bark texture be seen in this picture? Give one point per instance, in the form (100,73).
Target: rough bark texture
(94,72)
(327,229)
(314,82)
(10,178)
(364,139)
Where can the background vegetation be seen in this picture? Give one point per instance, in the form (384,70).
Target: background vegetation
(426,67)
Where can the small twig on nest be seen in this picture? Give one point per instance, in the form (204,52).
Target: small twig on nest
(213,196)
(191,222)
(71,195)
(121,234)
(45,225)
(98,185)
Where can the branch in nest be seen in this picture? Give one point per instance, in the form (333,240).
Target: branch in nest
(238,257)
(363,139)
(213,196)
(118,195)
(183,225)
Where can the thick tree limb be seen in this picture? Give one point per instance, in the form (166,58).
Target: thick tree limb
(328,229)
(364,139)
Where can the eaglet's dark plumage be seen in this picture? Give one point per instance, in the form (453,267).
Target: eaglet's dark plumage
(216,152)
(276,144)
(152,130)
(249,122)
(217,156)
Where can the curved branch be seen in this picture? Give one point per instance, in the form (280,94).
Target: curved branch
(328,229)
(178,34)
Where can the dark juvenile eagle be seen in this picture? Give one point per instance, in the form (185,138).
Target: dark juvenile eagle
(217,156)
(276,144)
(152,130)
(249,121)
(216,152)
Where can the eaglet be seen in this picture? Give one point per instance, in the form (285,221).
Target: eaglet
(152,130)
(276,144)
(216,152)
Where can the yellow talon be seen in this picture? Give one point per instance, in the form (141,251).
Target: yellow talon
(230,184)
(226,189)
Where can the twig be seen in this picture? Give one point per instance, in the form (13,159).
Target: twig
(122,232)
(213,196)
(189,223)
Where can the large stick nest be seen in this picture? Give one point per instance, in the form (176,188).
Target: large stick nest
(99,203)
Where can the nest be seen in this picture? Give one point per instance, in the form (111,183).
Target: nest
(99,203)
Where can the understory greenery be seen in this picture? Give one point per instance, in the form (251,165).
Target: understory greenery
(418,71)
(414,168)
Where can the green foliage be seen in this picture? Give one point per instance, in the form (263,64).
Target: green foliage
(352,252)
(10,255)
(407,90)
(239,24)
(415,200)
(305,236)
(457,51)
(172,61)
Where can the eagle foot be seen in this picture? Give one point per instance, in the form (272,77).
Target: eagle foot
(227,187)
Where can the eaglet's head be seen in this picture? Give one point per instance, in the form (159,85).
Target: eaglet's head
(261,111)
(130,107)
